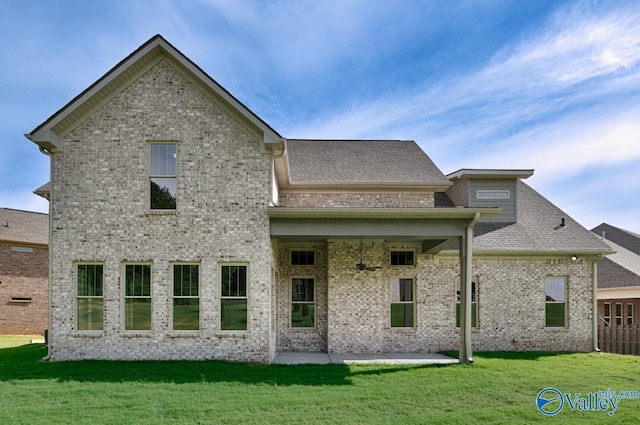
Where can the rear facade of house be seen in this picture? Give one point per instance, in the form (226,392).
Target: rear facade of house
(184,227)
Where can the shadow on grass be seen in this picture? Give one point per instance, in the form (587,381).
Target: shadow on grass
(25,363)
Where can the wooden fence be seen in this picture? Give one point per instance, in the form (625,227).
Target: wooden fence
(621,339)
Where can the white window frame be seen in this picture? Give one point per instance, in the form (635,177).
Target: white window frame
(79,297)
(392,251)
(619,314)
(174,296)
(412,302)
(302,250)
(493,195)
(565,302)
(125,297)
(221,297)
(312,303)
(151,175)
(629,314)
(607,317)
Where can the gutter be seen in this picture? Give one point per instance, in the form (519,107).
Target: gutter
(594,278)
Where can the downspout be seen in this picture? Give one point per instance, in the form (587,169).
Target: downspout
(48,339)
(466,349)
(594,278)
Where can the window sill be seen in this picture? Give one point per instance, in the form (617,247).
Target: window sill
(403,330)
(137,334)
(88,334)
(563,329)
(303,330)
(232,334)
(161,212)
(185,334)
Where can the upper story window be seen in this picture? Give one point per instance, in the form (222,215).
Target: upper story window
(402,258)
(162,175)
(492,195)
(303,258)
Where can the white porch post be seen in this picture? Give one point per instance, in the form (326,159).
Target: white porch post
(466,257)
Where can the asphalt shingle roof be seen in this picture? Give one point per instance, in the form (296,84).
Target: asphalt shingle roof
(24,226)
(613,275)
(361,162)
(537,229)
(624,238)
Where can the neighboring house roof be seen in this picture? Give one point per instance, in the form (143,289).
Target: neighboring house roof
(624,238)
(361,162)
(537,230)
(613,275)
(622,269)
(24,227)
(46,134)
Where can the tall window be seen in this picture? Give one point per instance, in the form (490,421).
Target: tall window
(618,314)
(556,302)
(303,307)
(402,303)
(233,299)
(474,305)
(90,297)
(629,314)
(137,297)
(162,174)
(607,314)
(186,301)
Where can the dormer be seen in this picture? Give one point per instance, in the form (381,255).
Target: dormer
(486,188)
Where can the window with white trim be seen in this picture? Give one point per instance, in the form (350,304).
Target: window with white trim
(162,176)
(607,314)
(137,297)
(233,297)
(618,314)
(303,305)
(90,297)
(474,304)
(629,314)
(186,299)
(556,302)
(402,303)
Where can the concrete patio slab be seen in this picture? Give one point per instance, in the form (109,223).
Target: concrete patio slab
(291,357)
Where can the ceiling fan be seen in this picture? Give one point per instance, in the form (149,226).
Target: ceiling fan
(362,266)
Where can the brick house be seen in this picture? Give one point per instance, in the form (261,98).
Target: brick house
(24,269)
(619,277)
(185,227)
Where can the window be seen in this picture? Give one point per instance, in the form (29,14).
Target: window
(402,303)
(186,301)
(492,195)
(629,314)
(162,174)
(137,297)
(90,301)
(556,302)
(618,314)
(402,258)
(21,249)
(303,305)
(303,258)
(474,305)
(607,314)
(233,302)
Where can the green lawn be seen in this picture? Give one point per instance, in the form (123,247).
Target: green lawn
(497,388)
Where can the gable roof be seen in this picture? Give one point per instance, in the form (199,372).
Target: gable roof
(361,162)
(537,230)
(624,238)
(46,134)
(613,275)
(24,227)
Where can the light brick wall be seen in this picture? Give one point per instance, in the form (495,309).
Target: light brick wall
(100,213)
(23,275)
(511,303)
(361,199)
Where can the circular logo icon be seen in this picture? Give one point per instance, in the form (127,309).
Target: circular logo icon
(549,401)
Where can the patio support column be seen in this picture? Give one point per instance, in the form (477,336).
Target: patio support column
(466,257)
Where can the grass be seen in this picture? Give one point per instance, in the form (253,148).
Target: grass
(497,388)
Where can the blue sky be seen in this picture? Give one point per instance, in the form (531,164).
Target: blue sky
(548,85)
